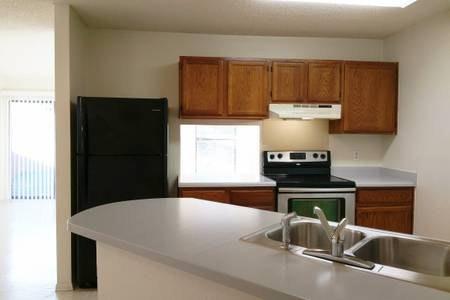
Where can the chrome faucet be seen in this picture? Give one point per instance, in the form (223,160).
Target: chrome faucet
(286,228)
(335,236)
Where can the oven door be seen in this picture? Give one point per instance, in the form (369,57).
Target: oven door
(336,203)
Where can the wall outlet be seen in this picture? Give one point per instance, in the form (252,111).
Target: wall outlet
(355,155)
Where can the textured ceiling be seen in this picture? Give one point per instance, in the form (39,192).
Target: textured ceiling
(254,17)
(26,15)
(249,17)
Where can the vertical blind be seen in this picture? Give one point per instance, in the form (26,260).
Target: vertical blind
(4,149)
(32,147)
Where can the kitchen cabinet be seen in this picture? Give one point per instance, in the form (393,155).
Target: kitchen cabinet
(370,99)
(247,88)
(228,88)
(306,81)
(201,86)
(289,81)
(224,88)
(324,81)
(216,195)
(385,208)
(255,197)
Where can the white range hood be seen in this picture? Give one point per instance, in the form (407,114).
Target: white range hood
(306,111)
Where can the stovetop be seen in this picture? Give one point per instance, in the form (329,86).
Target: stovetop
(303,169)
(312,181)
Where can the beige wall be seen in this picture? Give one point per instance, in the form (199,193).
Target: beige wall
(293,134)
(145,64)
(62,125)
(69,52)
(423,139)
(370,149)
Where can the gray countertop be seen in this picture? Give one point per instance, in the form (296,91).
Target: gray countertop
(226,181)
(363,176)
(376,176)
(203,238)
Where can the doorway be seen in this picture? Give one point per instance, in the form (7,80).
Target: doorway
(27,195)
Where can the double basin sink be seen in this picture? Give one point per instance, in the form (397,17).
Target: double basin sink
(405,257)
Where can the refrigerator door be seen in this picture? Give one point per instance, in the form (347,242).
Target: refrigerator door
(107,179)
(85,262)
(116,126)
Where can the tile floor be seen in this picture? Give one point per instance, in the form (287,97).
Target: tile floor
(28,252)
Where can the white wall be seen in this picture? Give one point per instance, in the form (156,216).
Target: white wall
(423,139)
(27,59)
(145,64)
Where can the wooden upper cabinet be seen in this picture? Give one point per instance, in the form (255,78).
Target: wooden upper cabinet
(324,82)
(370,97)
(217,87)
(289,81)
(247,88)
(201,86)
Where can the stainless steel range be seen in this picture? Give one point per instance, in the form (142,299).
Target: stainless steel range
(304,181)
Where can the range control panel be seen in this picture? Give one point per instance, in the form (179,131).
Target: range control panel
(297,156)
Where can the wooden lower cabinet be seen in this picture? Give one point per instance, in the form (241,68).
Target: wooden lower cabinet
(216,195)
(255,197)
(385,208)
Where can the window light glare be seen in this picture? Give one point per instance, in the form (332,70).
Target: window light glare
(384,3)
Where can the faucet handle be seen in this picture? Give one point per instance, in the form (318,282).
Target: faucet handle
(338,232)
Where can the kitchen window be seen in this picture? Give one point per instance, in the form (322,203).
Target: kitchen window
(219,151)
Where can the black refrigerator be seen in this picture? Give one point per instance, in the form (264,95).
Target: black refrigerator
(121,154)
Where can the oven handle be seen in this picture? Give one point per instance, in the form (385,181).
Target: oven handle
(315,190)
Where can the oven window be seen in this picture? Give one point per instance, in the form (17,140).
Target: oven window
(334,208)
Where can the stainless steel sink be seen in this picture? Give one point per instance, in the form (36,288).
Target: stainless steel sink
(406,257)
(409,254)
(312,236)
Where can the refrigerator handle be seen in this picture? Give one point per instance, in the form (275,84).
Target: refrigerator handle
(81,184)
(81,127)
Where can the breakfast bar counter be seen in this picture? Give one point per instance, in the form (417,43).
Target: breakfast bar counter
(185,248)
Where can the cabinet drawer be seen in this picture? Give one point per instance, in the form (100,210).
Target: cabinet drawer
(216,195)
(253,198)
(384,197)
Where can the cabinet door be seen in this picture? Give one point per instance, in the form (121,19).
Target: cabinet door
(289,81)
(247,89)
(392,218)
(217,195)
(254,197)
(370,97)
(201,86)
(324,82)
